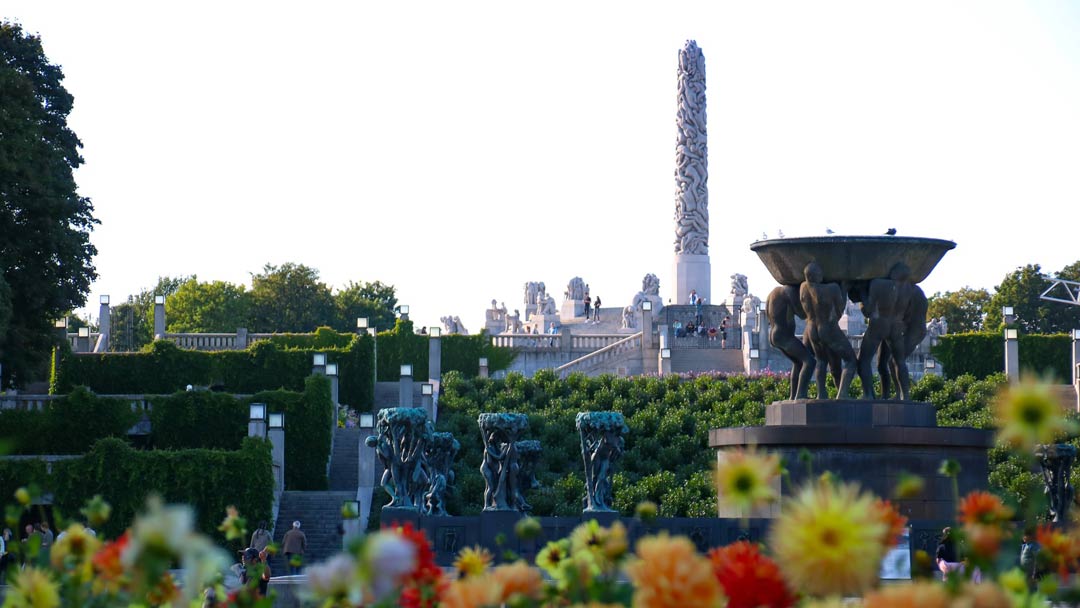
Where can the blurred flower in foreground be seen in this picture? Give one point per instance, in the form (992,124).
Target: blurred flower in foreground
(749,579)
(335,581)
(744,479)
(670,574)
(32,588)
(1059,549)
(472,561)
(96,511)
(828,540)
(909,486)
(518,581)
(472,592)
(72,552)
(234,526)
(552,557)
(985,519)
(646,511)
(894,522)
(387,558)
(921,594)
(1028,414)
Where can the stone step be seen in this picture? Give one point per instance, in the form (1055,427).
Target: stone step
(1066,395)
(319,514)
(706,360)
(345,461)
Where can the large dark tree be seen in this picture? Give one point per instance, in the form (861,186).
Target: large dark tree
(45,251)
(376,301)
(290,298)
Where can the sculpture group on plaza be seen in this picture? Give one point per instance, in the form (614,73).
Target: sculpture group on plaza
(440,453)
(601,448)
(500,465)
(417,462)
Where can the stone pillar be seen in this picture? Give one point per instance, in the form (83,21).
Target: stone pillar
(646,328)
(483,367)
(104,325)
(257,428)
(692,268)
(566,340)
(83,340)
(1075,356)
(277,456)
(664,362)
(318,364)
(434,359)
(427,399)
(692,272)
(405,397)
(159,317)
(334,387)
(1012,355)
(241,338)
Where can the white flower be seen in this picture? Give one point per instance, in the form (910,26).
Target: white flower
(164,529)
(389,557)
(336,578)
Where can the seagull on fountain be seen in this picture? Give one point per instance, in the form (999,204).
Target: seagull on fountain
(780,233)
(829,231)
(891,232)
(764,236)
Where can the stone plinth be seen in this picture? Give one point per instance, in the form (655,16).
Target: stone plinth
(692,272)
(854,448)
(572,309)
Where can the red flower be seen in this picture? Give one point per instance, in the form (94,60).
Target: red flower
(1061,549)
(107,560)
(894,521)
(422,587)
(749,578)
(983,508)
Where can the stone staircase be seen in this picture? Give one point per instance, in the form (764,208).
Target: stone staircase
(625,353)
(345,460)
(1066,395)
(319,514)
(706,360)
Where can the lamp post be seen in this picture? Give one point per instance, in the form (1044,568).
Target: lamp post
(665,361)
(1012,354)
(405,396)
(276,434)
(362,324)
(257,420)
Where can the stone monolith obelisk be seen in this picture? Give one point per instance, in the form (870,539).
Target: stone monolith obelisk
(692,269)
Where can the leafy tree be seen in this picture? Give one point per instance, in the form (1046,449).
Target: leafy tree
(963,309)
(216,306)
(133,322)
(1021,290)
(45,250)
(290,298)
(375,301)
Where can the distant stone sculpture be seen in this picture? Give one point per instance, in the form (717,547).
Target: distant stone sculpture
(650,285)
(453,325)
(532,292)
(402,434)
(781,308)
(529,452)
(575,289)
(936,327)
(545,305)
(885,302)
(629,318)
(739,289)
(500,466)
(691,156)
(496,313)
(751,304)
(601,448)
(823,304)
(1056,461)
(439,456)
(513,322)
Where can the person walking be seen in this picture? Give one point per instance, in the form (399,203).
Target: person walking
(596,310)
(1029,563)
(293,545)
(947,556)
(260,538)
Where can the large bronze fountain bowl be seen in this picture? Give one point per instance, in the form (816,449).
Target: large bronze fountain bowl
(847,259)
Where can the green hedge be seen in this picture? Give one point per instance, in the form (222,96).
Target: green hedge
(15,474)
(69,425)
(309,420)
(982,354)
(459,353)
(209,480)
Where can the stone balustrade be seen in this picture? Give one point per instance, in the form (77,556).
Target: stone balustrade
(139,403)
(612,350)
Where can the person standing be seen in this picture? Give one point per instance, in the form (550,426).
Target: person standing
(5,538)
(260,538)
(588,307)
(596,310)
(947,557)
(293,545)
(47,536)
(1029,563)
(252,564)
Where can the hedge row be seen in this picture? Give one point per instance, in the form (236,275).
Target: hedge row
(69,425)
(982,354)
(208,480)
(279,363)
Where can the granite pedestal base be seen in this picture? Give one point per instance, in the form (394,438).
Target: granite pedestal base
(869,442)
(692,272)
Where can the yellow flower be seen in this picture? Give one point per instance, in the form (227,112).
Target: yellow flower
(829,602)
(921,594)
(670,574)
(827,541)
(518,580)
(606,545)
(23,496)
(233,525)
(473,592)
(472,561)
(32,588)
(1014,581)
(1028,414)
(73,550)
(552,557)
(744,479)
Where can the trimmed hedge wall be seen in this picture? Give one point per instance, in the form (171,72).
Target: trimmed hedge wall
(982,354)
(66,426)
(209,480)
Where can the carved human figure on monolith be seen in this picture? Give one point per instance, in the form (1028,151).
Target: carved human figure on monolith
(528,456)
(1056,461)
(439,456)
(781,308)
(601,448)
(914,331)
(500,466)
(691,156)
(885,302)
(403,433)
(823,304)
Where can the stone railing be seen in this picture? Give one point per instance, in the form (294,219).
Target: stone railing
(139,403)
(615,349)
(207,341)
(531,341)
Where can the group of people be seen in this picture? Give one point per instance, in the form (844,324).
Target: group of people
(950,557)
(592,309)
(697,328)
(40,533)
(253,559)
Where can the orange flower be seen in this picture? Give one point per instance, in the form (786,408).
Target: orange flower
(985,595)
(749,579)
(518,579)
(921,594)
(894,521)
(1061,549)
(473,592)
(668,573)
(110,571)
(984,540)
(983,508)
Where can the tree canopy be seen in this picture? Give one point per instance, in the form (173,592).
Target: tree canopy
(962,309)
(45,251)
(1021,290)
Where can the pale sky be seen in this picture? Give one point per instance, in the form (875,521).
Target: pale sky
(459,149)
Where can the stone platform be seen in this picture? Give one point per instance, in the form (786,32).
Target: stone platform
(870,442)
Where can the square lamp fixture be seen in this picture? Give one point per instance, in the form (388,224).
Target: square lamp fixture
(61,323)
(318,359)
(403,309)
(646,305)
(406,370)
(277,420)
(159,299)
(331,369)
(361,323)
(367,421)
(257,411)
(762,306)
(1007,311)
(754,353)
(483,362)
(1011,333)
(350,509)
(104,300)
(434,332)
(426,389)
(931,364)
(84,332)
(1076,334)
(665,353)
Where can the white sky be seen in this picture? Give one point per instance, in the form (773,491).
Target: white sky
(457,150)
